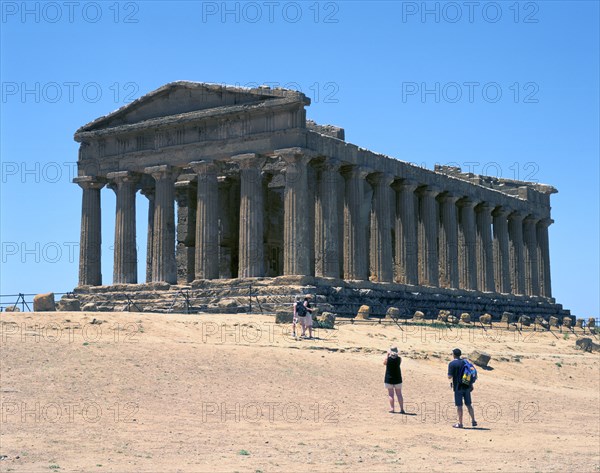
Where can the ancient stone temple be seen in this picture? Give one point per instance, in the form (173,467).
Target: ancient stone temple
(262,194)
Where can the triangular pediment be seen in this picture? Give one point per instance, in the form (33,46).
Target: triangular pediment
(182,97)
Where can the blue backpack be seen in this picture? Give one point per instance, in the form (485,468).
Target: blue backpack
(300,309)
(468,373)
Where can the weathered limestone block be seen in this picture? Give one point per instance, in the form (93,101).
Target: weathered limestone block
(554,321)
(326,320)
(227,303)
(567,322)
(452,320)
(485,319)
(392,313)
(480,358)
(68,305)
(44,302)
(465,318)
(89,307)
(508,318)
(12,308)
(525,320)
(418,316)
(579,323)
(443,315)
(542,321)
(363,313)
(591,322)
(587,344)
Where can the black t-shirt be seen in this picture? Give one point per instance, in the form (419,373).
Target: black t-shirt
(454,368)
(393,375)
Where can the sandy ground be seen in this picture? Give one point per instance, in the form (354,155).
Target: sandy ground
(196,393)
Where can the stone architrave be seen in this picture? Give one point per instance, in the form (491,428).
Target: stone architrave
(149,193)
(428,236)
(356,264)
(517,260)
(207,220)
(382,267)
(485,248)
(164,268)
(125,252)
(90,273)
(532,281)
(251,235)
(327,248)
(296,227)
(501,250)
(544,257)
(468,245)
(406,233)
(448,241)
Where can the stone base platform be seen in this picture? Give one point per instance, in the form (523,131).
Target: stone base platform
(272,295)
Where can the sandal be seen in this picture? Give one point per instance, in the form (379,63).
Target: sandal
(458,426)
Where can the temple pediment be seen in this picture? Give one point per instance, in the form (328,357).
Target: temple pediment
(183,97)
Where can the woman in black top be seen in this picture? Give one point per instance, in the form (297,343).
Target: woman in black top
(393,377)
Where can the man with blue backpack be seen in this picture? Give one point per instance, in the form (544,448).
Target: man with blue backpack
(462,375)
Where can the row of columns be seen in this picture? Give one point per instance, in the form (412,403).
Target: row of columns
(441,239)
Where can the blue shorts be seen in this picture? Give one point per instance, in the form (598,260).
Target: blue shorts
(460,395)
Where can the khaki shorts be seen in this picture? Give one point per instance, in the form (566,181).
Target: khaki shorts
(393,386)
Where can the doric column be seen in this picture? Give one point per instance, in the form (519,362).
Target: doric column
(468,245)
(327,249)
(207,220)
(149,193)
(356,264)
(406,234)
(517,261)
(382,265)
(448,243)
(296,227)
(501,250)
(164,268)
(485,248)
(90,273)
(532,281)
(251,246)
(544,257)
(125,251)
(428,237)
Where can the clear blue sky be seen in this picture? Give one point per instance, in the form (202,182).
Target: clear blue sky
(365,65)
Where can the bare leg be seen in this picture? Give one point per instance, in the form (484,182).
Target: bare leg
(400,398)
(471,413)
(391,398)
(459,410)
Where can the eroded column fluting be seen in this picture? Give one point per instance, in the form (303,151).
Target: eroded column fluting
(485,248)
(90,273)
(327,248)
(544,257)
(356,264)
(125,252)
(468,245)
(428,236)
(406,233)
(207,220)
(382,265)
(501,250)
(149,193)
(296,228)
(448,241)
(251,234)
(517,261)
(164,268)
(532,281)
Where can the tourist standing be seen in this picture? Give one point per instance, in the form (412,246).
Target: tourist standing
(393,378)
(461,391)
